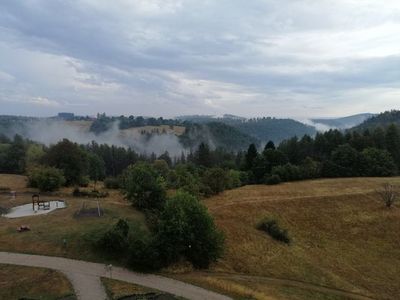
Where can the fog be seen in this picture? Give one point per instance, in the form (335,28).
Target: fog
(51,131)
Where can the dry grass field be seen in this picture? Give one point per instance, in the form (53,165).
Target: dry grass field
(177,130)
(48,231)
(18,282)
(117,289)
(84,126)
(343,238)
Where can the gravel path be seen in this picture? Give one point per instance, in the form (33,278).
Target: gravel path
(85,277)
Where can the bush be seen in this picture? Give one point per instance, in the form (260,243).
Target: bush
(273,179)
(46,179)
(144,252)
(127,242)
(112,183)
(115,240)
(84,181)
(233,179)
(77,192)
(271,227)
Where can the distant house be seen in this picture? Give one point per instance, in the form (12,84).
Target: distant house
(66,115)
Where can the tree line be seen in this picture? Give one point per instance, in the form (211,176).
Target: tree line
(330,154)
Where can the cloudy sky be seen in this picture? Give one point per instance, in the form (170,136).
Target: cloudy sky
(297,58)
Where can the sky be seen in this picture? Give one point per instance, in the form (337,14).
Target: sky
(286,58)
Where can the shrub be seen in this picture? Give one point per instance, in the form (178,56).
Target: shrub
(389,194)
(46,179)
(271,227)
(144,252)
(233,179)
(273,179)
(112,183)
(115,240)
(84,181)
(77,192)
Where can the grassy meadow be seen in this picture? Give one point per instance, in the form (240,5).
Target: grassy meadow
(48,231)
(17,282)
(343,238)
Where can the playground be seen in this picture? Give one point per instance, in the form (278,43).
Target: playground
(26,210)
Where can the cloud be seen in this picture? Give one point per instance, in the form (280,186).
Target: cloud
(43,101)
(153,57)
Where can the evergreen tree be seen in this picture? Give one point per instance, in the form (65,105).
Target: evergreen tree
(393,143)
(251,155)
(203,155)
(269,145)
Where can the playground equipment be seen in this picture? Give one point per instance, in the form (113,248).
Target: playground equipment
(41,204)
(90,208)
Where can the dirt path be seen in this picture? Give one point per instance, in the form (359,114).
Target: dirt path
(85,277)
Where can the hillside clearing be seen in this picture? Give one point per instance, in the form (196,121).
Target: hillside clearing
(343,238)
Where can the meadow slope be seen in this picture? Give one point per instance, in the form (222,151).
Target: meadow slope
(343,238)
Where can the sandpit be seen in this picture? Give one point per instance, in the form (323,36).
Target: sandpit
(26,210)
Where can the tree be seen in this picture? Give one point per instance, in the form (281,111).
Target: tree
(14,158)
(203,155)
(274,158)
(162,167)
(251,155)
(215,181)
(186,229)
(287,172)
(269,145)
(379,162)
(96,168)
(46,179)
(144,187)
(165,157)
(393,143)
(348,161)
(388,194)
(70,158)
(34,155)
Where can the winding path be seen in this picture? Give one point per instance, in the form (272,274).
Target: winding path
(85,277)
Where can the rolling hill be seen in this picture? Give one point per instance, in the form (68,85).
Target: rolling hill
(345,122)
(382,120)
(343,237)
(263,129)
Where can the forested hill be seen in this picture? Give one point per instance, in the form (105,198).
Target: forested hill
(218,135)
(345,122)
(382,120)
(140,133)
(263,129)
